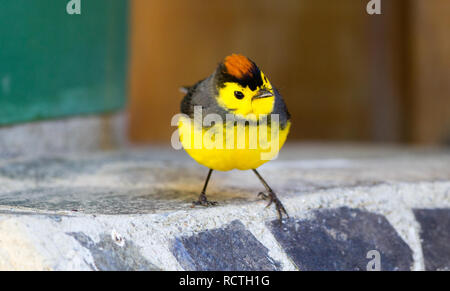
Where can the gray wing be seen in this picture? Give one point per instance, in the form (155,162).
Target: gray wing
(201,94)
(280,108)
(187,106)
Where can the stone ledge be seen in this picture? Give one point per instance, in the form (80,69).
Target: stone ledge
(131,211)
(71,134)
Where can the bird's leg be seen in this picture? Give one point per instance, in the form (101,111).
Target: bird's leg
(202,200)
(272,197)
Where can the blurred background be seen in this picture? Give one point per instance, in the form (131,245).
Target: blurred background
(345,75)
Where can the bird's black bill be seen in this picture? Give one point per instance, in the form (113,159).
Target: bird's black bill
(262,94)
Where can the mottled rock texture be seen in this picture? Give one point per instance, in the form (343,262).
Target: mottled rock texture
(229,248)
(435,235)
(340,239)
(131,210)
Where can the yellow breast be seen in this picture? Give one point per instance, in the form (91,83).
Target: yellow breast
(225,148)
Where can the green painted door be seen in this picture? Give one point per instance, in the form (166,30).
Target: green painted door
(53,64)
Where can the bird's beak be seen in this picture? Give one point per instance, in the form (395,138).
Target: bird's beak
(262,94)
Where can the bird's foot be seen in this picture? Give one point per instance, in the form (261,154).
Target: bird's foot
(273,199)
(203,201)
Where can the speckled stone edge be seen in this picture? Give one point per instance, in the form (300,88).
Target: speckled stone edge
(242,237)
(69,135)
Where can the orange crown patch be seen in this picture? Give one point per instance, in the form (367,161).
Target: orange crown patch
(238,66)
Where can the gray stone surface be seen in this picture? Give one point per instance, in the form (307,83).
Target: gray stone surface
(114,254)
(148,181)
(340,239)
(130,210)
(73,134)
(435,235)
(229,248)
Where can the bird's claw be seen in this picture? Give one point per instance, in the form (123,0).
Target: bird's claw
(203,201)
(273,199)
(263,196)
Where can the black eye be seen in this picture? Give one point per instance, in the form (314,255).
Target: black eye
(238,94)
